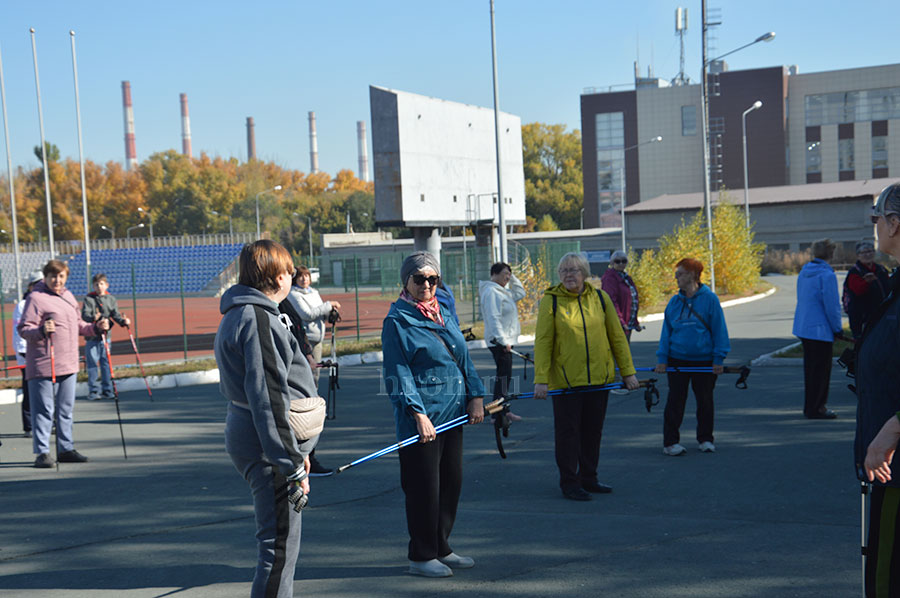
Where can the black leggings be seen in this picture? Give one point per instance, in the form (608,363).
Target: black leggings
(703,386)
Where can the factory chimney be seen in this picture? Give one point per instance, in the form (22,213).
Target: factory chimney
(251,140)
(313,145)
(363,151)
(185,127)
(130,151)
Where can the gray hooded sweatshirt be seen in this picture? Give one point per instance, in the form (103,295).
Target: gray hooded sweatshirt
(261,368)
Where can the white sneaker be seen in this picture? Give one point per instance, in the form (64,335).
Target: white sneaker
(432,568)
(673,450)
(454,561)
(707,447)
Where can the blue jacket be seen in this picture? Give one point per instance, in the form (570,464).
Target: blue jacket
(877,377)
(685,336)
(419,374)
(445,297)
(818,313)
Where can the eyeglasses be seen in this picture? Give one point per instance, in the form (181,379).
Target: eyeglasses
(620,261)
(421,279)
(567,271)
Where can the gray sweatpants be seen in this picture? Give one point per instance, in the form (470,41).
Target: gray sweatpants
(277,524)
(44,413)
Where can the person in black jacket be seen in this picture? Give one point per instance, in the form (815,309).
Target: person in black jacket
(97,305)
(878,412)
(865,287)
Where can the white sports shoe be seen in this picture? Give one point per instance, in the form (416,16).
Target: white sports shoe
(673,450)
(432,568)
(707,447)
(454,561)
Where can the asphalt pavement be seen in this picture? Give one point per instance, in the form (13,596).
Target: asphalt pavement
(774,512)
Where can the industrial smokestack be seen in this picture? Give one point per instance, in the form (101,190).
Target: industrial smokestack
(363,151)
(130,151)
(251,140)
(313,145)
(185,127)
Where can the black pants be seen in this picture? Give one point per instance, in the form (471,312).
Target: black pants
(431,478)
(503,359)
(703,386)
(883,567)
(578,428)
(816,375)
(26,405)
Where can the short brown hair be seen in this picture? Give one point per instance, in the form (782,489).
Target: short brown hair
(692,265)
(300,270)
(261,263)
(99,277)
(55,267)
(823,249)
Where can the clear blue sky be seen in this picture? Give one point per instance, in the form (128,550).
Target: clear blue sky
(276,60)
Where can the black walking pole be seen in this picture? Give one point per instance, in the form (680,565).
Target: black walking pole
(865,489)
(53,388)
(112,377)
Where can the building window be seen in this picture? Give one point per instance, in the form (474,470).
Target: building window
(852,106)
(814,157)
(879,157)
(610,164)
(688,120)
(846,162)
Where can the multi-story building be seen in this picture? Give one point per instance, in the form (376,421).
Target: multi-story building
(812,128)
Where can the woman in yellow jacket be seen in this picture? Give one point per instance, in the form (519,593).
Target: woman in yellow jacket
(578,343)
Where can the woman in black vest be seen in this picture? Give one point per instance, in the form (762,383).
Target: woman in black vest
(865,287)
(878,413)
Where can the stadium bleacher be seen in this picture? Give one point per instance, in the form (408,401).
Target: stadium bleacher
(157,270)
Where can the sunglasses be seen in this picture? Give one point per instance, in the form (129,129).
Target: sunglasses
(420,279)
(620,261)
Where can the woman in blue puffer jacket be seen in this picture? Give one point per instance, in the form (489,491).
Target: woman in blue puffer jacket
(817,320)
(431,380)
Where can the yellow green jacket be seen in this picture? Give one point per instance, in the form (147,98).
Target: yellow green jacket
(577,346)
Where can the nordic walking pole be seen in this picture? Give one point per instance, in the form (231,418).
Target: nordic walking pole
(53,388)
(137,357)
(865,489)
(105,338)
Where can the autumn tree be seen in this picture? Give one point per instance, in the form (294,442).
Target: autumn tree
(551,159)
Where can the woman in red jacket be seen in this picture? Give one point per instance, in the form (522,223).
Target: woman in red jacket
(623,292)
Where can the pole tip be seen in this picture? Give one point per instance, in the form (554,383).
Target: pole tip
(31,30)
(72,32)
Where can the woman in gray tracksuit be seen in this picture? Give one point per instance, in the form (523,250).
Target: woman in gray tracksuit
(261,369)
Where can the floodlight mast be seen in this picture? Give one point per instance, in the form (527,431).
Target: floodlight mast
(501,221)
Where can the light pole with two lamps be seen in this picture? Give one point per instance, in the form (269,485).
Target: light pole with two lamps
(704,121)
(143,212)
(656,139)
(275,188)
(756,106)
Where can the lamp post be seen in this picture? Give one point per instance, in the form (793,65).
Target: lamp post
(582,218)
(656,139)
(275,188)
(131,228)
(150,220)
(501,220)
(704,123)
(111,231)
(756,106)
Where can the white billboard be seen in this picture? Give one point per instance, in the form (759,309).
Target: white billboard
(435,161)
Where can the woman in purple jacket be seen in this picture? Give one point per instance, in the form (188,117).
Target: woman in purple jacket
(621,289)
(50,324)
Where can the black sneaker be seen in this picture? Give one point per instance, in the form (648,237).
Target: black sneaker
(72,456)
(44,461)
(576,493)
(316,469)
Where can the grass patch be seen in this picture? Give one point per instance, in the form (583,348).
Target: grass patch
(760,287)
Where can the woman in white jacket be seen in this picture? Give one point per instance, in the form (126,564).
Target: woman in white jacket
(501,320)
(313,311)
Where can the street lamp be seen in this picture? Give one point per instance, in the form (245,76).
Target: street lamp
(131,228)
(756,106)
(111,231)
(656,139)
(275,188)
(704,123)
(149,219)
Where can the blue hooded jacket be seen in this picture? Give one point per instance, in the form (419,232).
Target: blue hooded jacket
(685,336)
(818,313)
(418,372)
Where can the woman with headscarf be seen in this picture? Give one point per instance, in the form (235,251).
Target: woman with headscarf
(431,380)
(262,369)
(817,320)
(693,335)
(878,412)
(622,291)
(578,343)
